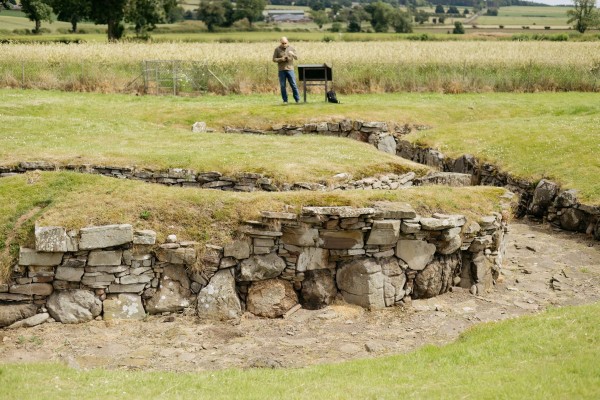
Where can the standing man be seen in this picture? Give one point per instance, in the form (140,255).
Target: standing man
(284,56)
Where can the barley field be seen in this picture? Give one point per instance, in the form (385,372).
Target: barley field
(450,67)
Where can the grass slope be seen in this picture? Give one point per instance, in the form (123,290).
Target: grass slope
(552,355)
(551,135)
(208,216)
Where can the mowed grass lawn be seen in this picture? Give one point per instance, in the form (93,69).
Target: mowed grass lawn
(532,136)
(549,356)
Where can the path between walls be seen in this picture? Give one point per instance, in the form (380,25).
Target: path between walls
(542,268)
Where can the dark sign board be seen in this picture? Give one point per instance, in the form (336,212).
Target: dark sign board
(315,72)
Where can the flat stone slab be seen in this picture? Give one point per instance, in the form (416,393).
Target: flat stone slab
(394,210)
(146,237)
(341,240)
(40,289)
(342,212)
(313,258)
(99,257)
(384,232)
(38,258)
(51,239)
(99,237)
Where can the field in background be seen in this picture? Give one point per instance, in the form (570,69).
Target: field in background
(552,355)
(244,68)
(13,24)
(543,16)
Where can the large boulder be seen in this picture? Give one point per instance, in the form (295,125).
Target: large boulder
(387,144)
(573,219)
(123,306)
(361,282)
(173,293)
(416,253)
(74,306)
(318,289)
(218,300)
(436,278)
(11,313)
(257,268)
(271,298)
(543,196)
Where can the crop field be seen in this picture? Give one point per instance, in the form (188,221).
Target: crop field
(448,67)
(543,16)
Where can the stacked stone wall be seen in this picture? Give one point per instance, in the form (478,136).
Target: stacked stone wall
(373,257)
(242,182)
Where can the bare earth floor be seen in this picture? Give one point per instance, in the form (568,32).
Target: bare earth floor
(543,268)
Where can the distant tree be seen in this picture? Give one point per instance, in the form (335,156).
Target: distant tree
(71,11)
(176,14)
(316,5)
(145,14)
(452,10)
(189,14)
(493,12)
(353,24)
(421,17)
(212,13)
(381,14)
(37,11)
(584,14)
(439,9)
(466,12)
(250,9)
(441,19)
(459,29)
(401,22)
(4,5)
(319,17)
(111,13)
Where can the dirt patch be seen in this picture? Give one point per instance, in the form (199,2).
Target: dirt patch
(542,268)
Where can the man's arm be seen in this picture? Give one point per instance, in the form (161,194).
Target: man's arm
(277,59)
(292,53)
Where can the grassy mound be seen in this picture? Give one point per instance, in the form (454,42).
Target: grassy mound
(532,136)
(209,216)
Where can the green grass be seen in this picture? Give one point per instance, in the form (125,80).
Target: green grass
(551,135)
(156,132)
(552,355)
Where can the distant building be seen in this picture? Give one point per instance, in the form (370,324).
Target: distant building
(285,16)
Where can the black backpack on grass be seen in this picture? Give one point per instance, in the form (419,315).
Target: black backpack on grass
(331,97)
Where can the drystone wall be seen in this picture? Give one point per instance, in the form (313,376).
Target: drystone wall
(544,201)
(374,257)
(242,182)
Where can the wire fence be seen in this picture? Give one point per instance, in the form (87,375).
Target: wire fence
(162,77)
